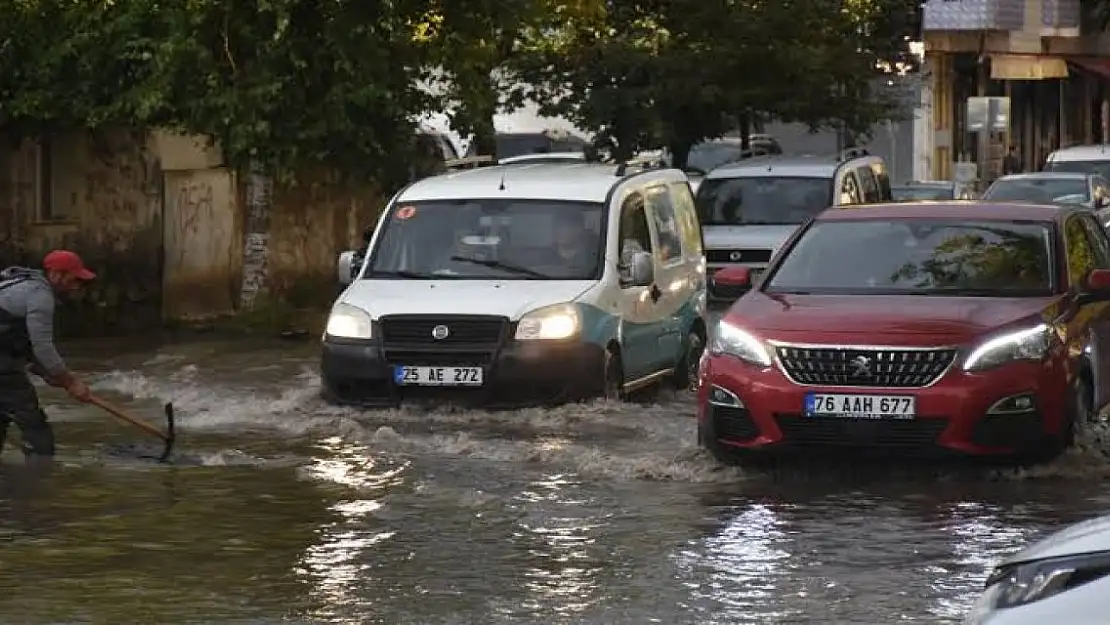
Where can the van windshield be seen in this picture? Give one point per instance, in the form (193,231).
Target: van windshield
(490,239)
(764,200)
(1101,168)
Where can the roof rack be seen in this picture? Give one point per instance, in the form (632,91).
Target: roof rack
(850,153)
(469,162)
(650,161)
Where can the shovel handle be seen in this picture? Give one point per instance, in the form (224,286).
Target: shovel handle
(123,415)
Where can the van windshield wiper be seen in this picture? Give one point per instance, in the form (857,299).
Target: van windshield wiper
(496,264)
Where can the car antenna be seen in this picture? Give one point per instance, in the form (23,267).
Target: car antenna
(501,187)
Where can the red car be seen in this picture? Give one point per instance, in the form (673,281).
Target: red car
(966,328)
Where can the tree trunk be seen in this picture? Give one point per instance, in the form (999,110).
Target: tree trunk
(745,124)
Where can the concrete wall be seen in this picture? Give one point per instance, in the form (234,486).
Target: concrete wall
(893,141)
(100,195)
(165,225)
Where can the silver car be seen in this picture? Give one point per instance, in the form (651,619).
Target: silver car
(1064,578)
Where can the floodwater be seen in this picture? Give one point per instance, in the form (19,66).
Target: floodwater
(285,510)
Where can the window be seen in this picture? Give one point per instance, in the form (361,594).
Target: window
(635,236)
(919,257)
(1081,256)
(666,226)
(849,190)
(1083,167)
(1038,190)
(1100,245)
(687,214)
(489,239)
(884,183)
(869,185)
(762,200)
(46,208)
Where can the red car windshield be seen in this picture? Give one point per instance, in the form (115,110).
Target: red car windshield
(919,257)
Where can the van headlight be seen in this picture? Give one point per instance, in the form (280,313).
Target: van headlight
(1028,344)
(349,322)
(731,340)
(1029,582)
(560,321)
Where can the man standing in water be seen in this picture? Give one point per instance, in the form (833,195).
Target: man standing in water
(27,299)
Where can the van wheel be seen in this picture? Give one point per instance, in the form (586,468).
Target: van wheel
(614,377)
(686,371)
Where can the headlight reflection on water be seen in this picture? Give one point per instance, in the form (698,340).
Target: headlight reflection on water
(563,579)
(337,566)
(742,565)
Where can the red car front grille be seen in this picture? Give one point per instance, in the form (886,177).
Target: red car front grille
(844,432)
(871,367)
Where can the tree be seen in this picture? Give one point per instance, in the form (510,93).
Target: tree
(649,73)
(282,83)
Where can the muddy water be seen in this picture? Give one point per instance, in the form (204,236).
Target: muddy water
(285,510)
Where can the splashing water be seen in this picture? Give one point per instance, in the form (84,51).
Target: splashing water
(604,439)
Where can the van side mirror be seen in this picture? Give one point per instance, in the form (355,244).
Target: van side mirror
(640,270)
(345,266)
(737,277)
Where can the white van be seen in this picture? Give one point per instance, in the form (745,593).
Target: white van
(1087,159)
(523,284)
(751,207)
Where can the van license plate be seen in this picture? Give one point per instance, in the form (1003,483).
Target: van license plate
(861,406)
(438,376)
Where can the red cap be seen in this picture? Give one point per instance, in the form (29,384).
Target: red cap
(65,261)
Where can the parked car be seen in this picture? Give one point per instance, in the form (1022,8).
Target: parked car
(1062,578)
(1084,159)
(708,155)
(748,209)
(919,190)
(969,329)
(1085,189)
(510,285)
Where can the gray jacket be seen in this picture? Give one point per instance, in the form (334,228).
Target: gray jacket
(33,299)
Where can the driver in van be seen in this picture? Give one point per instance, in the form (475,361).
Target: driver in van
(575,247)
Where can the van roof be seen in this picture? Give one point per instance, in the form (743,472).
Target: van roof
(572,181)
(778,166)
(1081,153)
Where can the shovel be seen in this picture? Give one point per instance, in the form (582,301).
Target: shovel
(168,437)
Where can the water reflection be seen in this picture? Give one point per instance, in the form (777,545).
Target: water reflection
(337,567)
(560,533)
(736,574)
(979,538)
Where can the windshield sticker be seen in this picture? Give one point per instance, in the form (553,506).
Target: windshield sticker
(404,213)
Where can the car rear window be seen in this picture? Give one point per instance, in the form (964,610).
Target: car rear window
(1037,190)
(1082,167)
(917,256)
(763,200)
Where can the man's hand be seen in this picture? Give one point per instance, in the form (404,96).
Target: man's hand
(79,390)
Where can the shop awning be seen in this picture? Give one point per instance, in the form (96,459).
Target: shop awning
(1014,67)
(1092,64)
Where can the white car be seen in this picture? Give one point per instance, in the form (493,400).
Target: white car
(1064,578)
(750,208)
(522,284)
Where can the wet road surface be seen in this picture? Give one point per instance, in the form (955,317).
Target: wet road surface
(285,510)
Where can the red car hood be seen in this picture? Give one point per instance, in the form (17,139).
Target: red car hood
(882,319)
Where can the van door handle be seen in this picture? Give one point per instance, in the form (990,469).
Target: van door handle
(655,294)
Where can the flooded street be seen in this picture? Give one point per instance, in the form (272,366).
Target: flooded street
(285,510)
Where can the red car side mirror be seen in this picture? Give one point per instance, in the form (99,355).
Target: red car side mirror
(1098,281)
(733,276)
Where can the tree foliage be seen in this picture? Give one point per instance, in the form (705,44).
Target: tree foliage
(650,73)
(280,82)
(290,83)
